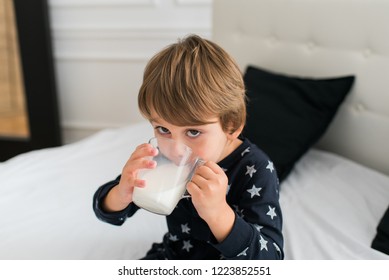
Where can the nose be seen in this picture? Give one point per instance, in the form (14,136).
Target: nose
(174,150)
(179,152)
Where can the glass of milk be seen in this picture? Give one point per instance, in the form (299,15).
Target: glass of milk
(166,183)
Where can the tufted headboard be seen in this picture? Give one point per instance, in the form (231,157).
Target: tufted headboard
(321,38)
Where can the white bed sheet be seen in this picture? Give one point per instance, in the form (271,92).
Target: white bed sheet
(46,202)
(331,206)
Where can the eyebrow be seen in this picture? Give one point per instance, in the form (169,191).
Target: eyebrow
(156,120)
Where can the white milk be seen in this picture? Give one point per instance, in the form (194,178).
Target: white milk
(165,186)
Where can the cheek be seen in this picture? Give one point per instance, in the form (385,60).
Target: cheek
(209,151)
(201,150)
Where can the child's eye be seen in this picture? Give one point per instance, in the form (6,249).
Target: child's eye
(193,133)
(162,130)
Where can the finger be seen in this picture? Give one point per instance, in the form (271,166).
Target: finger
(132,166)
(139,183)
(133,180)
(214,167)
(142,157)
(144,150)
(199,180)
(193,189)
(205,171)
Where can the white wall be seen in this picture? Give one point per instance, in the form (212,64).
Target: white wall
(101,48)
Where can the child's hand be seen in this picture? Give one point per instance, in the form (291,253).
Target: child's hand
(208,189)
(121,195)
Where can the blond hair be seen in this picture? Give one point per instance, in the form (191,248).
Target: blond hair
(191,81)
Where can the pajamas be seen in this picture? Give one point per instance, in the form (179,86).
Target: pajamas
(253,194)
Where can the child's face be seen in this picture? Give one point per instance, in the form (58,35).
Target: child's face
(208,141)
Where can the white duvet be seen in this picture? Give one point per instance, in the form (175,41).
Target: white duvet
(331,206)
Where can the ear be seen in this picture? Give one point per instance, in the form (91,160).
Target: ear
(236,133)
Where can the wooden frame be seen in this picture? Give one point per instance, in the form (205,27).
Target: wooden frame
(33,27)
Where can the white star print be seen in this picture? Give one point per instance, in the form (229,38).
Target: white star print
(270,166)
(228,188)
(187,246)
(173,237)
(250,170)
(258,227)
(271,212)
(254,191)
(238,211)
(276,246)
(185,228)
(243,253)
(245,152)
(263,243)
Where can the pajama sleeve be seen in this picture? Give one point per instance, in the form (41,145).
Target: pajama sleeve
(115,218)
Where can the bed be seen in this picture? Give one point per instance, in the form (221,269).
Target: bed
(334,183)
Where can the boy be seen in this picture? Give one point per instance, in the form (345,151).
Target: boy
(193,92)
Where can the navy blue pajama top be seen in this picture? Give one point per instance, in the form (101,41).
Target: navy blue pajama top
(253,194)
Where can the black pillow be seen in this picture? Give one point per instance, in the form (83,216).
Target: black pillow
(381,240)
(286,115)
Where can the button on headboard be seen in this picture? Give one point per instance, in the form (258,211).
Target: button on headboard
(321,38)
